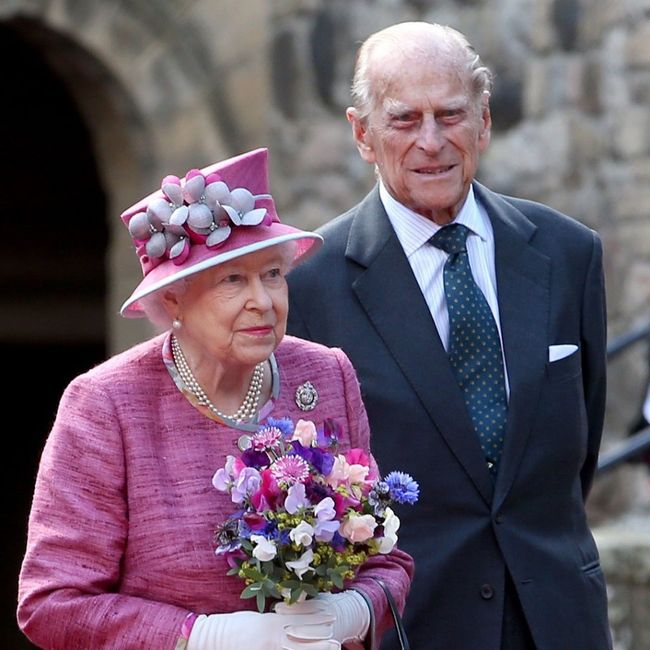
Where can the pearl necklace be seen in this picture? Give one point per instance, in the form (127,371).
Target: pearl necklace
(248,407)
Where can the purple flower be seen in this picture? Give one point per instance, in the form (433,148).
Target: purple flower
(403,488)
(295,499)
(322,461)
(339,542)
(317,492)
(256,459)
(248,481)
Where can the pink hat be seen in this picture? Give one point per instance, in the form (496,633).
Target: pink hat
(211,216)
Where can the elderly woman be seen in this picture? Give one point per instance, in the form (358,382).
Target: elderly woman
(120,550)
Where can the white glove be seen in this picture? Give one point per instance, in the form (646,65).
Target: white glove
(302,626)
(351,615)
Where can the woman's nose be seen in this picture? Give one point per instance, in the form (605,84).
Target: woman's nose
(259,295)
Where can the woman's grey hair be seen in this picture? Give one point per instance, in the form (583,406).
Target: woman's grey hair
(153,306)
(414,36)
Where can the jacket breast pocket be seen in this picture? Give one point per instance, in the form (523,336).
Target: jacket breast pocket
(565,369)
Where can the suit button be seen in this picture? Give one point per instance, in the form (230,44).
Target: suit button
(498,519)
(487,592)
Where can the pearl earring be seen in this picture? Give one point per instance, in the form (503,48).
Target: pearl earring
(176,324)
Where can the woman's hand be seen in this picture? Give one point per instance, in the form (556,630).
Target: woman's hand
(303,626)
(351,616)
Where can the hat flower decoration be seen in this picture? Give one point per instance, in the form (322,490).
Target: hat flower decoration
(199,210)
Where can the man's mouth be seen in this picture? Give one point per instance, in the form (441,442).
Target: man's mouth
(433,171)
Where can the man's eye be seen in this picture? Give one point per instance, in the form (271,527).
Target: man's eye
(451,117)
(404,117)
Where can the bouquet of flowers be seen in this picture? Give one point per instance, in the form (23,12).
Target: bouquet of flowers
(308,517)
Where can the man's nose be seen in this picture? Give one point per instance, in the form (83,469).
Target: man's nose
(430,137)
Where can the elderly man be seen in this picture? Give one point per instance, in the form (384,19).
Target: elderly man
(476,323)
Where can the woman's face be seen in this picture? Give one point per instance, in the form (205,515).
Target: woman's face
(236,313)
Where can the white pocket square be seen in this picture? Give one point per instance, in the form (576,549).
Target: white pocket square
(557,352)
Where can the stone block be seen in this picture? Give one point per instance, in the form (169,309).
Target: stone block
(638,45)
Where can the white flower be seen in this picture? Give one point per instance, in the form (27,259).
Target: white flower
(391,525)
(305,433)
(265,549)
(302,534)
(302,564)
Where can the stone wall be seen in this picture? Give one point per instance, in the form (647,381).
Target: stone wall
(165,86)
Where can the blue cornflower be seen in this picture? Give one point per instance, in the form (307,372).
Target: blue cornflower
(285,425)
(403,488)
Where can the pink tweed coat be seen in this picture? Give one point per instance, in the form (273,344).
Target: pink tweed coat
(120,542)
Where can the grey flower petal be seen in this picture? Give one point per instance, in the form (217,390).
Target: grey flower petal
(216,192)
(159,211)
(193,189)
(157,245)
(253,217)
(170,238)
(200,216)
(179,215)
(174,192)
(242,200)
(139,226)
(175,230)
(235,217)
(217,236)
(177,248)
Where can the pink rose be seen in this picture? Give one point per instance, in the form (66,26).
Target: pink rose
(358,528)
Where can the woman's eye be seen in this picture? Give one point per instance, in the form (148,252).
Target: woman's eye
(230,279)
(275,273)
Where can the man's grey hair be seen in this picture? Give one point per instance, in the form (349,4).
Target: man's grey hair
(415,36)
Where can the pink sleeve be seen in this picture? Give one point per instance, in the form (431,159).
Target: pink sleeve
(77,533)
(396,568)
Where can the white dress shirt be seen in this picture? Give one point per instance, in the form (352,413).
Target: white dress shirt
(427,261)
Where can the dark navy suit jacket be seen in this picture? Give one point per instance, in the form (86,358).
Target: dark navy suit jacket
(466,531)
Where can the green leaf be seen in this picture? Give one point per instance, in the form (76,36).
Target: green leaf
(251,590)
(310,590)
(261,602)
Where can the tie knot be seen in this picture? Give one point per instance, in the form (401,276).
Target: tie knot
(451,239)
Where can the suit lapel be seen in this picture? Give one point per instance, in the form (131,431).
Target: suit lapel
(393,302)
(523,280)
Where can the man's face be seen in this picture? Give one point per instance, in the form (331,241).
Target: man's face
(424,134)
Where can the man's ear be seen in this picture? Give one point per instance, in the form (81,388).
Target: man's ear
(361,135)
(485,131)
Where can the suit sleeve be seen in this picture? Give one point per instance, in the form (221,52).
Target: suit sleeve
(296,324)
(396,568)
(594,359)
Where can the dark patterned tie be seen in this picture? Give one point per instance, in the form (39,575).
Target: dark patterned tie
(474,347)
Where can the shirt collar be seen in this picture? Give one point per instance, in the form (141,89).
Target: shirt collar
(413,230)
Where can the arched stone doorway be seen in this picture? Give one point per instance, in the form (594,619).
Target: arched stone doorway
(54,269)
